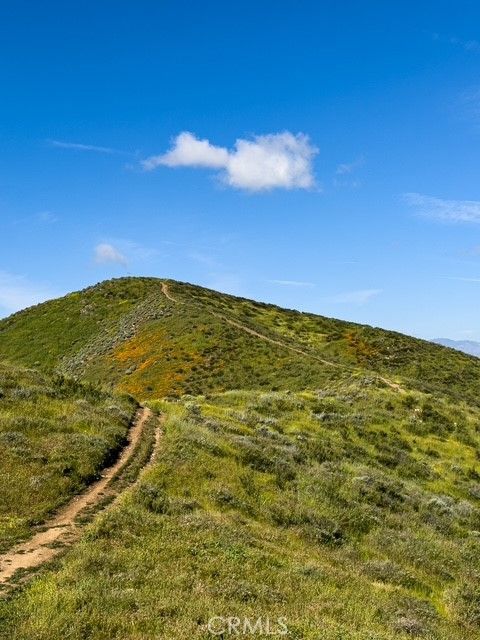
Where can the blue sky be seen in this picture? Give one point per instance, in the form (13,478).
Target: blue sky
(320,155)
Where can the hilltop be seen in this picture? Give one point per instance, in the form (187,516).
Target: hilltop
(156,338)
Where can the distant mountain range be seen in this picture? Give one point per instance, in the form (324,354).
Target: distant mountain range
(467,346)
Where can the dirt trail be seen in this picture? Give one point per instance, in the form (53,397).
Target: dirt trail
(252,332)
(166,292)
(393,385)
(307,354)
(62,528)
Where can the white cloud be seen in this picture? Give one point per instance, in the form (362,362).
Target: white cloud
(105,253)
(16,292)
(446,210)
(123,252)
(359,297)
(76,146)
(292,283)
(189,151)
(273,161)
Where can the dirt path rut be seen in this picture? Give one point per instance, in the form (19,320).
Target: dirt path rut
(166,292)
(62,528)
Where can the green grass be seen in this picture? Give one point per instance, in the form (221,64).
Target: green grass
(55,436)
(351,511)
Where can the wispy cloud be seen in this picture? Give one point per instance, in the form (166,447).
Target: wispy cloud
(134,250)
(204,258)
(105,253)
(344,174)
(40,218)
(46,217)
(444,210)
(292,283)
(468,106)
(359,297)
(76,146)
(466,44)
(273,161)
(355,183)
(460,279)
(123,252)
(17,292)
(349,167)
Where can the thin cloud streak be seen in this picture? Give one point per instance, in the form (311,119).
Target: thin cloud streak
(444,210)
(349,167)
(77,146)
(460,279)
(467,45)
(292,283)
(359,297)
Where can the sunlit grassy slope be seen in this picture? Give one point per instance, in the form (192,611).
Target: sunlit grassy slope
(127,333)
(311,469)
(55,436)
(351,511)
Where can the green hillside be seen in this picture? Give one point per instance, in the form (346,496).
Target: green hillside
(55,436)
(129,334)
(313,470)
(351,512)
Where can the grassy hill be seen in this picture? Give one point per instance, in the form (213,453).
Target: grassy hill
(55,436)
(313,470)
(127,333)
